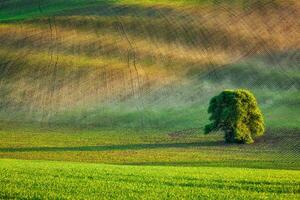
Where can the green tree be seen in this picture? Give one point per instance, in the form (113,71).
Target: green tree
(237,114)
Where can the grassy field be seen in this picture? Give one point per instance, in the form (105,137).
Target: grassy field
(63,180)
(111,97)
(147,164)
(276,150)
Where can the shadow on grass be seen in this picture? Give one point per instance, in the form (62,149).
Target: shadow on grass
(115,147)
(232,163)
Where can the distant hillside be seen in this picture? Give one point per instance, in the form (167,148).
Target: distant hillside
(151,64)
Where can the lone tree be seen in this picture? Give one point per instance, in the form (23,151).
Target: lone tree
(237,114)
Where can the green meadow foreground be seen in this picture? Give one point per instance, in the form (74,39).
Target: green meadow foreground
(132,164)
(63,180)
(151,165)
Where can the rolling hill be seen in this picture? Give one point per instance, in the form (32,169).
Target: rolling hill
(145,65)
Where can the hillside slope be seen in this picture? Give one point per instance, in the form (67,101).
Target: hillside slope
(147,65)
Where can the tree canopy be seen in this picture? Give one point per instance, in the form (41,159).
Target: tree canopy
(236,112)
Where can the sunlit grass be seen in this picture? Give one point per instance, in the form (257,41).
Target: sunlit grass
(145,147)
(41,179)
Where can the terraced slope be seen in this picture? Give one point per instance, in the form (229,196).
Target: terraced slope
(147,65)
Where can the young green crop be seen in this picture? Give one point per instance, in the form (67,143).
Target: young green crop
(21,179)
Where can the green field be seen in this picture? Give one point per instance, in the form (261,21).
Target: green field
(145,164)
(63,180)
(148,147)
(107,99)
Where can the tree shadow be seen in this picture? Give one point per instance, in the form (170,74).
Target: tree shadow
(116,147)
